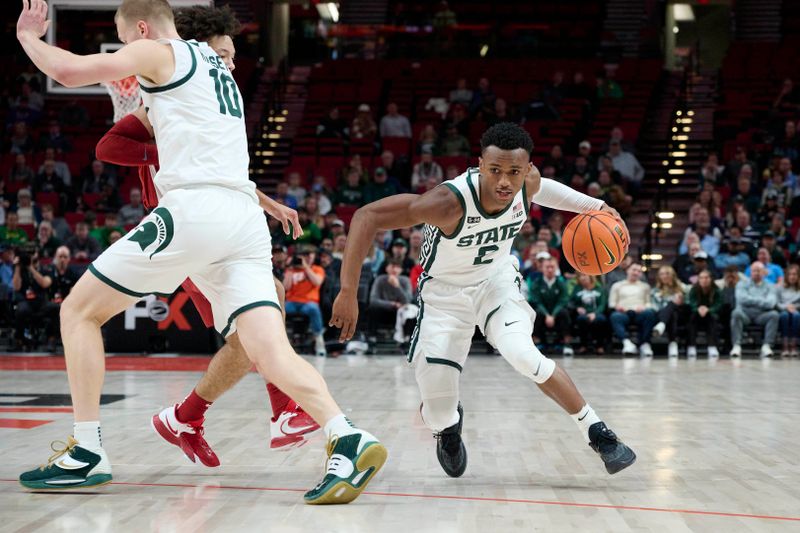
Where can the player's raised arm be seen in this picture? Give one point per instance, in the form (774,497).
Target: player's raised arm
(147,58)
(438,207)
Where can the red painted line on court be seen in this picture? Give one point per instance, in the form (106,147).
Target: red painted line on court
(474,499)
(19,423)
(24,409)
(113,364)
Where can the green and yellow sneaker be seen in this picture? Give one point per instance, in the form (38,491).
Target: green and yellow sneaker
(71,467)
(352,462)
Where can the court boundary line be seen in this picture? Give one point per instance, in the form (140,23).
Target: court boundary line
(469,499)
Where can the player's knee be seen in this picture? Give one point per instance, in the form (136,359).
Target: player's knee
(518,349)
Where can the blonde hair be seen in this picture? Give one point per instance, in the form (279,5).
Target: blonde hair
(674,287)
(147,10)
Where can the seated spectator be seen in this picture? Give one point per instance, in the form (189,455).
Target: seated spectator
(396,168)
(55,139)
(750,235)
(428,139)
(21,173)
(745,194)
(711,203)
(279,260)
(524,238)
(28,214)
(629,301)
(557,160)
(549,296)
(60,167)
(733,254)
(482,99)
(96,177)
(109,199)
(580,166)
(667,297)
(620,201)
(333,126)
(756,301)
(700,262)
(11,234)
(24,113)
(727,286)
(585,151)
(788,98)
(502,113)
(399,251)
(618,274)
(131,213)
(734,166)
(787,144)
(74,115)
(46,242)
(393,124)
(21,141)
(391,298)
(461,94)
(48,179)
(312,233)
(352,192)
(30,294)
(451,172)
(64,277)
(415,245)
(363,126)
(458,117)
(709,236)
(588,302)
(607,87)
(783,238)
(705,302)
(425,169)
(579,88)
(712,172)
(379,187)
(302,281)
(773,273)
(778,189)
(103,234)
(454,144)
(319,192)
(8,260)
(296,188)
(556,224)
(60,226)
(776,253)
(627,165)
(31,96)
(789,307)
(767,210)
(82,246)
(282,195)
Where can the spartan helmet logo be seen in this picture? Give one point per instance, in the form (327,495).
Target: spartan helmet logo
(155,232)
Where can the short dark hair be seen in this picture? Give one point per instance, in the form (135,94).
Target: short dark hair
(507,136)
(393,261)
(203,22)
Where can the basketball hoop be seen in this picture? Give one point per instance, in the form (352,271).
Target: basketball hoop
(124,95)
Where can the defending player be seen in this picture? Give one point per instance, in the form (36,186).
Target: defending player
(128,143)
(208,226)
(470,278)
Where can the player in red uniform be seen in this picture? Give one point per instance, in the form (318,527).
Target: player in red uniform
(130,143)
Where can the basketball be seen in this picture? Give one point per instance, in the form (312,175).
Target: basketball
(594,242)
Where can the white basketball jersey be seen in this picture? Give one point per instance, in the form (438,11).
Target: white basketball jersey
(480,243)
(199,125)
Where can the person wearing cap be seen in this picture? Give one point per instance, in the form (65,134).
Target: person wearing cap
(733,253)
(629,302)
(302,281)
(548,296)
(768,209)
(425,169)
(380,187)
(756,302)
(772,273)
(363,126)
(700,261)
(391,298)
(776,253)
(399,251)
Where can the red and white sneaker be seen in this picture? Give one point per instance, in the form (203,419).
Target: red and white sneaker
(292,428)
(187,437)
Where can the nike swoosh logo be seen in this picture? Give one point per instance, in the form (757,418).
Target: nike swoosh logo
(71,465)
(611,257)
(509,323)
(166,423)
(584,416)
(537,369)
(287,430)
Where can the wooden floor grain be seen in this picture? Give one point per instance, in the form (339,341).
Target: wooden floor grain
(717,448)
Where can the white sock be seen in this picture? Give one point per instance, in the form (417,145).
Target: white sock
(88,434)
(340,426)
(585,418)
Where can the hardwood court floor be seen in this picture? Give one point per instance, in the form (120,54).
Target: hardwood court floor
(717,451)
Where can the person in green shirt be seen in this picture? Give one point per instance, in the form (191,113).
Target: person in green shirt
(548,296)
(101,233)
(11,234)
(312,234)
(705,301)
(588,301)
(379,188)
(352,192)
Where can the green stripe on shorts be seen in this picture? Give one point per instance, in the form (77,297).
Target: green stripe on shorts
(262,303)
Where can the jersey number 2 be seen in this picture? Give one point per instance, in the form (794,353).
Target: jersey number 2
(482,251)
(224,86)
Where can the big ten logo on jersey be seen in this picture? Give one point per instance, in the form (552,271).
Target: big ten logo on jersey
(161,310)
(491,235)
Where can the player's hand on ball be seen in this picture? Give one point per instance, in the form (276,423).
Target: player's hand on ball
(345,315)
(33,18)
(613,212)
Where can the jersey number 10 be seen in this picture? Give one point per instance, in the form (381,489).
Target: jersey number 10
(224,85)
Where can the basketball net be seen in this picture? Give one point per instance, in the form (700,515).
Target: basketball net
(124,96)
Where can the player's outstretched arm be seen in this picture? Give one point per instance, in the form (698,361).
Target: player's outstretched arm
(438,207)
(128,143)
(144,57)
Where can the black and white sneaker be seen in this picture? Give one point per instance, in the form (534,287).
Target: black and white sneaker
(450,448)
(614,453)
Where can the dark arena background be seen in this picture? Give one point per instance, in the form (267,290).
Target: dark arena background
(682,116)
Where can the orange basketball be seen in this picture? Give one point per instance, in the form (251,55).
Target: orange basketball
(594,242)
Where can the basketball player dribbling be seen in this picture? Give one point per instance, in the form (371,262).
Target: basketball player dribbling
(470,278)
(208,226)
(128,143)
